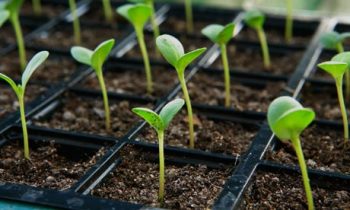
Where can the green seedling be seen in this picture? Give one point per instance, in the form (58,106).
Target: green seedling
(336,68)
(287,119)
(19,89)
(138,16)
(4,15)
(96,59)
(160,123)
(76,22)
(189,16)
(289,21)
(107,8)
(13,8)
(256,19)
(173,51)
(221,35)
(37,7)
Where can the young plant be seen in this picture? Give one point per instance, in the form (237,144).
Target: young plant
(13,8)
(107,8)
(96,59)
(37,7)
(289,21)
(256,19)
(221,35)
(76,22)
(173,51)
(138,16)
(160,123)
(336,68)
(287,119)
(189,16)
(19,89)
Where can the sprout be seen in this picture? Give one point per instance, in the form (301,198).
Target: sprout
(255,19)
(336,68)
(76,22)
(96,59)
(37,7)
(173,51)
(189,16)
(107,8)
(287,119)
(13,7)
(138,15)
(19,89)
(221,35)
(160,123)
(289,21)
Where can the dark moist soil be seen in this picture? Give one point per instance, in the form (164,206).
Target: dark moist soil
(187,187)
(8,35)
(96,15)
(48,10)
(282,191)
(210,89)
(87,115)
(323,149)
(215,136)
(319,73)
(47,168)
(133,80)
(251,60)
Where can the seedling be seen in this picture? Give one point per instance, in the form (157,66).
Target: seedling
(173,51)
(221,35)
(13,7)
(96,59)
(37,7)
(19,89)
(107,8)
(256,19)
(287,119)
(76,22)
(189,16)
(289,21)
(336,68)
(138,16)
(160,123)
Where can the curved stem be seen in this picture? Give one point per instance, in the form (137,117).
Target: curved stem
(107,10)
(189,108)
(105,100)
(37,7)
(227,75)
(141,40)
(76,22)
(289,21)
(264,48)
(189,16)
(161,166)
(20,41)
(24,126)
(339,85)
(299,152)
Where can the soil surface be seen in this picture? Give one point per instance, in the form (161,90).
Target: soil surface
(215,136)
(87,115)
(48,10)
(282,191)
(8,35)
(47,168)
(323,149)
(210,89)
(132,80)
(187,187)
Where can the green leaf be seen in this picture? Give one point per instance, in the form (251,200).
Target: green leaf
(170,110)
(4,15)
(171,48)
(287,117)
(344,36)
(330,40)
(9,81)
(335,68)
(186,59)
(342,57)
(219,34)
(137,14)
(13,6)
(101,54)
(254,19)
(33,64)
(82,54)
(151,117)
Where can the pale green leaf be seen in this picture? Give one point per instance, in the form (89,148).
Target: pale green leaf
(82,54)
(101,54)
(335,68)
(137,14)
(150,117)
(33,65)
(254,19)
(10,82)
(14,6)
(342,57)
(188,58)
(4,15)
(330,40)
(170,110)
(219,34)
(171,48)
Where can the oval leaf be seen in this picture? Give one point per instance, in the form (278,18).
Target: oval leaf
(10,82)
(150,117)
(123,11)
(4,15)
(101,54)
(342,57)
(335,68)
(330,40)
(137,14)
(171,48)
(82,54)
(33,65)
(186,59)
(170,110)
(226,34)
(254,19)
(212,32)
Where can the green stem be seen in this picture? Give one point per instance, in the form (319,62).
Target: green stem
(264,48)
(107,10)
(297,147)
(105,100)
(161,166)
(153,20)
(76,22)
(189,108)
(141,40)
(289,21)
(227,75)
(340,49)
(339,85)
(24,126)
(37,7)
(189,16)
(20,41)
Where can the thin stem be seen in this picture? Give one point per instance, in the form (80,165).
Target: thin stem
(141,40)
(339,85)
(264,48)
(189,108)
(227,75)
(153,20)
(37,7)
(289,21)
(161,166)
(299,152)
(340,49)
(24,126)
(189,16)
(76,22)
(107,10)
(20,41)
(105,100)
